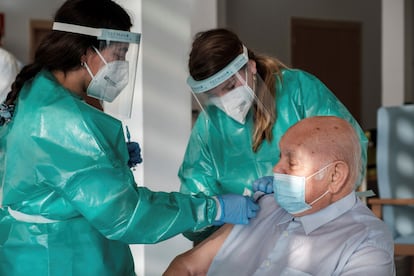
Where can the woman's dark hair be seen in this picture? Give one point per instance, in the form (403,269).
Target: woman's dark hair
(63,50)
(212,50)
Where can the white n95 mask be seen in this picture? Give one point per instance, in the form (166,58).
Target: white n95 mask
(110,80)
(289,191)
(236,103)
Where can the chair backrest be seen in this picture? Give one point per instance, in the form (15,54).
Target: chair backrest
(395,165)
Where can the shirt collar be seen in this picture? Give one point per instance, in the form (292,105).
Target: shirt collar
(327,214)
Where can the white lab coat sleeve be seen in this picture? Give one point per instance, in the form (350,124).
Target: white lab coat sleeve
(9,67)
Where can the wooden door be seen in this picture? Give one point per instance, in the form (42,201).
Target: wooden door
(330,50)
(38,30)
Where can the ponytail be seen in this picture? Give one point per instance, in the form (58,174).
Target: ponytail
(265,113)
(27,73)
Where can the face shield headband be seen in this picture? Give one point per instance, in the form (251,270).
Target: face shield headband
(101,34)
(118,106)
(221,76)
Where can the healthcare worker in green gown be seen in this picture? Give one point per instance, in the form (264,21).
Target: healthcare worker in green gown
(248,101)
(69,202)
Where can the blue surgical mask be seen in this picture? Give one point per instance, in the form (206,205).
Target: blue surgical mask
(289,191)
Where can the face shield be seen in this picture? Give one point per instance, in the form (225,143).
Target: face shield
(118,51)
(233,90)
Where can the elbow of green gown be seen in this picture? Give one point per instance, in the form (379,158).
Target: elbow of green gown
(159,216)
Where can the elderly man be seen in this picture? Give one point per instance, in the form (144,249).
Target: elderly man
(313,224)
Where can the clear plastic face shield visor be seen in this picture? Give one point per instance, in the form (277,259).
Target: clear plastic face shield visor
(113,84)
(233,90)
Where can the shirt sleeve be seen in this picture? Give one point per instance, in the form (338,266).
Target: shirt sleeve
(370,261)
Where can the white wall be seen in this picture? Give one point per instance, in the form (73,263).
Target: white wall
(393,44)
(168,27)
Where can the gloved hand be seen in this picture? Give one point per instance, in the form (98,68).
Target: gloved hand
(236,209)
(134,154)
(263,184)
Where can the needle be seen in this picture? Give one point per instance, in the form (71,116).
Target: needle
(129,140)
(128,134)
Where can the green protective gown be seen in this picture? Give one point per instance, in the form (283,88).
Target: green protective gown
(219,157)
(66,161)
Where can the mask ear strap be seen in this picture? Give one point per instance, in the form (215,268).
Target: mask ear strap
(320,170)
(321,196)
(87,69)
(99,54)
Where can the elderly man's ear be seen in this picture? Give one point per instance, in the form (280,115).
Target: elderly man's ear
(339,177)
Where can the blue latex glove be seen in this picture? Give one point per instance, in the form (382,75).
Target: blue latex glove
(263,184)
(236,209)
(134,151)
(134,154)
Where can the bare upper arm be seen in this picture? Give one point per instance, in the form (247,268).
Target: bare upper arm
(197,260)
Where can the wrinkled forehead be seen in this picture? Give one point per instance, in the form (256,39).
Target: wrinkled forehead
(318,136)
(292,143)
(299,152)
(301,137)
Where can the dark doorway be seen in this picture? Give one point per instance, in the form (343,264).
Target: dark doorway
(331,50)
